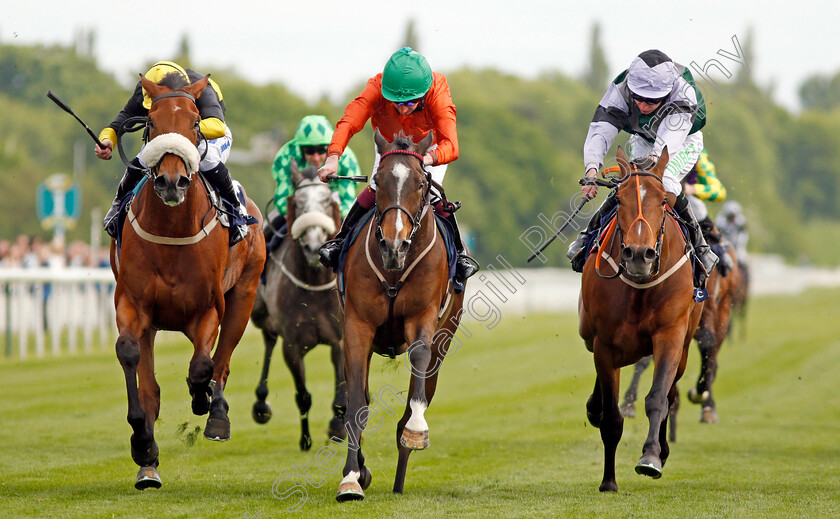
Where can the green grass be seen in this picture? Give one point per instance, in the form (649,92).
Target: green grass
(508,431)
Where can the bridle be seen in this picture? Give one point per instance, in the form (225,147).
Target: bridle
(425,187)
(636,173)
(133,124)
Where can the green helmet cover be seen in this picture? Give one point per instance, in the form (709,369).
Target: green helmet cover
(313,130)
(407,76)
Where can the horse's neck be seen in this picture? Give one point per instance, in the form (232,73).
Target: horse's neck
(184,219)
(295,262)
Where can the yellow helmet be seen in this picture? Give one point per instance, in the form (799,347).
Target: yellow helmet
(156,73)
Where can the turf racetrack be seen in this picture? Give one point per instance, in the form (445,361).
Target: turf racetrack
(509,436)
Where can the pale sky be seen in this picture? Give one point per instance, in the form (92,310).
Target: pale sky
(329,46)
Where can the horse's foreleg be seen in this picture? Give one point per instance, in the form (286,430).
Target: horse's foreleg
(430,383)
(293,355)
(200,373)
(358,343)
(339,404)
(261,412)
(594,405)
(628,407)
(612,423)
(144,449)
(670,350)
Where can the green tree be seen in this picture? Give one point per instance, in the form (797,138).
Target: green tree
(596,76)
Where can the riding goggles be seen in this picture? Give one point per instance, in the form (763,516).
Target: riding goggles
(312,150)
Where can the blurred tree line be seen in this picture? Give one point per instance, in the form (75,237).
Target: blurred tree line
(521,147)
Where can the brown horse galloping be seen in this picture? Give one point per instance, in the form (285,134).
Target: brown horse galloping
(645,308)
(175,272)
(398,300)
(710,334)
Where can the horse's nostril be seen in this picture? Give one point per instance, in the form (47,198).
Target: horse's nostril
(626,254)
(183,182)
(650,254)
(160,183)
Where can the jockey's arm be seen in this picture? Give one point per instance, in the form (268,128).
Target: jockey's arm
(212,128)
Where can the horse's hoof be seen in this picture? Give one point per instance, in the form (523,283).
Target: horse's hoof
(708,415)
(696,397)
(305,443)
(336,429)
(147,477)
(628,410)
(201,404)
(261,412)
(217,429)
(649,466)
(608,486)
(350,491)
(414,440)
(365,478)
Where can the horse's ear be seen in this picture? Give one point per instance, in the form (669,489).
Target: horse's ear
(297,177)
(151,88)
(664,157)
(195,89)
(380,141)
(427,141)
(623,163)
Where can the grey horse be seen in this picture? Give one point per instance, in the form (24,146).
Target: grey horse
(298,301)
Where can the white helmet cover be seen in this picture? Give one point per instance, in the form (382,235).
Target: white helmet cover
(652,74)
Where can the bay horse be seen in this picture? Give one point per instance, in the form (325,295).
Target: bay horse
(176,272)
(398,299)
(645,308)
(298,301)
(710,334)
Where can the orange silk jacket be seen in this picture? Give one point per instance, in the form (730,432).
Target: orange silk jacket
(437,113)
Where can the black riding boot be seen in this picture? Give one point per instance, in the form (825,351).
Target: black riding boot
(701,248)
(331,249)
(132,176)
(219,177)
(271,230)
(576,254)
(465,266)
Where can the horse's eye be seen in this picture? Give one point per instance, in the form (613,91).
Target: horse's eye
(197,123)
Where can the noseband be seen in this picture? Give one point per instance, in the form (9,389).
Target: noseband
(424,202)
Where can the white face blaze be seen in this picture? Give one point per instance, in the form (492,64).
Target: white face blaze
(401,173)
(642,192)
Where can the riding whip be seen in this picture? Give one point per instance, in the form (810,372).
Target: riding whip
(61,104)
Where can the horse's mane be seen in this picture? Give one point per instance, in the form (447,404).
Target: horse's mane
(174,81)
(403,141)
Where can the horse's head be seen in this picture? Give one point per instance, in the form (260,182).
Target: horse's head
(173,135)
(313,215)
(641,215)
(402,195)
